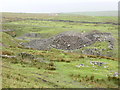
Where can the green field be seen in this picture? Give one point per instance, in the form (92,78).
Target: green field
(97,13)
(56,68)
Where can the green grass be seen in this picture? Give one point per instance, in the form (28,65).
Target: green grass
(7,40)
(62,76)
(61,70)
(13,16)
(26,26)
(97,13)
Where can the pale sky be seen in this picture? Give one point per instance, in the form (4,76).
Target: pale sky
(57,6)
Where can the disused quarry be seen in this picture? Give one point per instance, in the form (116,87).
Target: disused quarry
(70,40)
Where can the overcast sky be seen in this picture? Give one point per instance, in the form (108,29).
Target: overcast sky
(57,6)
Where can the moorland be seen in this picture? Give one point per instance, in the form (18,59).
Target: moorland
(59,51)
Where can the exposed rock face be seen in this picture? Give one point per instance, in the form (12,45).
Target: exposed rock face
(71,40)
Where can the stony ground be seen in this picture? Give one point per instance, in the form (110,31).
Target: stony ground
(71,41)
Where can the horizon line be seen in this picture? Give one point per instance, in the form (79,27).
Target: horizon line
(55,12)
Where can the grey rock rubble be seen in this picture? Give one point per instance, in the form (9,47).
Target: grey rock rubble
(31,36)
(97,63)
(71,41)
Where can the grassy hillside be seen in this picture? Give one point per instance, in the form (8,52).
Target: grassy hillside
(31,68)
(59,16)
(97,13)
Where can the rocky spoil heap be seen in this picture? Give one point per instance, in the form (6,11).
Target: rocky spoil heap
(71,40)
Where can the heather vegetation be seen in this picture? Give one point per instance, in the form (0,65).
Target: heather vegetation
(59,51)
